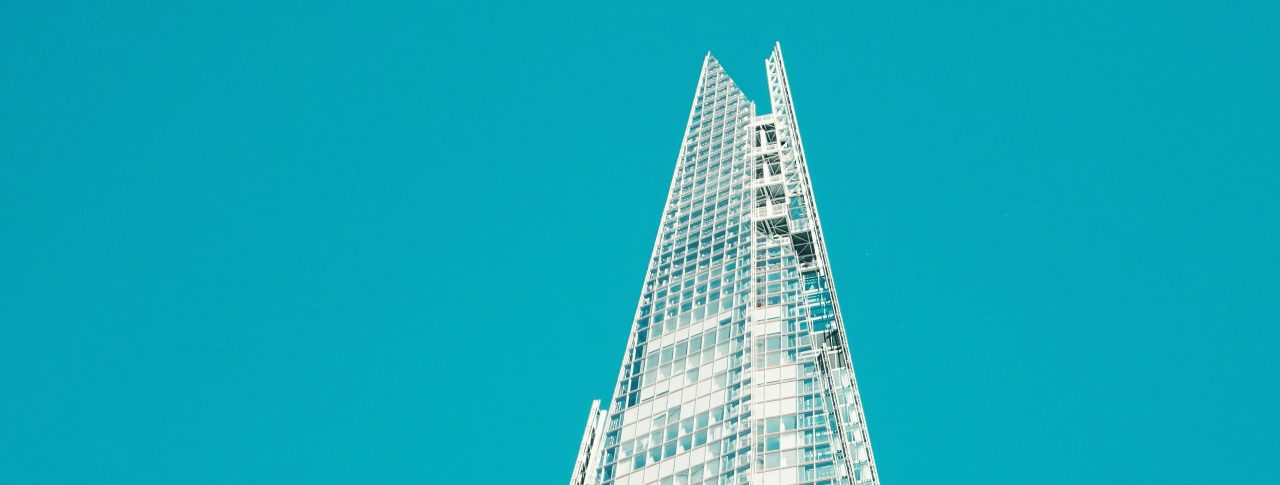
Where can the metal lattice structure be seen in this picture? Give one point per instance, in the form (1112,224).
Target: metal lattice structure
(737,369)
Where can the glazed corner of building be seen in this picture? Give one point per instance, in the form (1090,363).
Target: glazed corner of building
(775,326)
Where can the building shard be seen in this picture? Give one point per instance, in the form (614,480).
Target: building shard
(737,369)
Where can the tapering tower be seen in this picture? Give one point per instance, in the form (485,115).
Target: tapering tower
(737,369)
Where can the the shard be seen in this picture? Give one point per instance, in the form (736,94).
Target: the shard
(737,369)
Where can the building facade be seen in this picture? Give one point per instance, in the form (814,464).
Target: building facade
(737,369)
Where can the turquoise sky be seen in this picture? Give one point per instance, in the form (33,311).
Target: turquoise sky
(402,243)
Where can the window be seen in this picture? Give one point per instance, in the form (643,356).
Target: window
(765,134)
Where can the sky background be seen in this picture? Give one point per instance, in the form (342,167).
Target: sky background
(403,242)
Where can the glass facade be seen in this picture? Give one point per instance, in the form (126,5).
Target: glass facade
(737,369)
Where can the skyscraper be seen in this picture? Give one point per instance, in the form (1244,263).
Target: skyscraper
(737,369)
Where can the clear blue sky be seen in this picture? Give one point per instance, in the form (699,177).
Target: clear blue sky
(402,243)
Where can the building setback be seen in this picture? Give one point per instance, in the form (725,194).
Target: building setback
(737,369)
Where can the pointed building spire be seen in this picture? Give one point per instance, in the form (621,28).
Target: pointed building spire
(737,368)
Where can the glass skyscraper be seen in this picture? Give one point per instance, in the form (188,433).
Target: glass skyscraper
(737,369)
